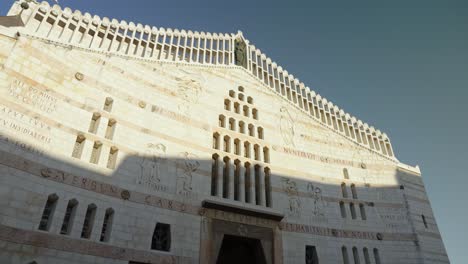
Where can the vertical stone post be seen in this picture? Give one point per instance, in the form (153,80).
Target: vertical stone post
(219,178)
(241,182)
(251,189)
(230,184)
(261,189)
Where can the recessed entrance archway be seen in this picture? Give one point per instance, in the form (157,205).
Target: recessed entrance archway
(235,249)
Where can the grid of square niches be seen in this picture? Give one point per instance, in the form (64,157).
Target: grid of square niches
(97,144)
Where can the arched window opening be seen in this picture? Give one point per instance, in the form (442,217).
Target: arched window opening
(356,256)
(161,237)
(241,97)
(237,170)
(311,256)
(237,108)
(69,218)
(251,130)
(78,147)
(96,152)
(108,104)
(107,225)
(353,210)
(266,155)
(112,160)
(363,212)
(268,187)
(247,149)
(89,221)
(260,132)
(246,111)
(48,212)
(344,192)
(227,105)
(353,191)
(232,94)
(110,130)
(366,256)
(257,185)
(222,121)
(241,89)
(344,253)
(216,141)
(346,174)
(424,221)
(256,152)
(242,127)
(227,144)
(232,124)
(342,210)
(376,256)
(95,120)
(250,100)
(255,114)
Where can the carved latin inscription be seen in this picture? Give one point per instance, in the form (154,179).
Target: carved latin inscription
(35,97)
(17,125)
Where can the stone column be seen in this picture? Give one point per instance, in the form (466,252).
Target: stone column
(219,178)
(251,189)
(261,189)
(231,172)
(241,183)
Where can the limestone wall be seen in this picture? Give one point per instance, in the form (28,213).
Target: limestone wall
(153,163)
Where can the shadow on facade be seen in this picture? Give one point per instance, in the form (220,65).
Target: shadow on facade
(155,208)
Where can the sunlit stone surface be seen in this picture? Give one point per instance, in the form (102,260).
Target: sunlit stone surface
(125,143)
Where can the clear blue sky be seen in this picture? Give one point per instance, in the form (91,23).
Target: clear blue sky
(401,66)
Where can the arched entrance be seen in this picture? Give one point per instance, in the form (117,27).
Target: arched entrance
(235,249)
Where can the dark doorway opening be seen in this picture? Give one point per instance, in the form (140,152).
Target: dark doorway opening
(243,250)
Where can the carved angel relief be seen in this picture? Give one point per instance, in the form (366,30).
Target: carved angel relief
(318,205)
(190,86)
(185,168)
(291,190)
(287,129)
(152,166)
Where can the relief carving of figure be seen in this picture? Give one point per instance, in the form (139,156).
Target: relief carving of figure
(185,168)
(240,53)
(190,87)
(318,203)
(153,165)
(291,190)
(287,127)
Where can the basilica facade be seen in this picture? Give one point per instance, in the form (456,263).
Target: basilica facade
(125,143)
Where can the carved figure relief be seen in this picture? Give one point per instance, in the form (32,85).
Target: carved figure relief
(190,87)
(186,166)
(240,52)
(294,202)
(318,205)
(152,166)
(287,127)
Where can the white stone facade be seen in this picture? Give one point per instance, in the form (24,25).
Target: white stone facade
(135,125)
